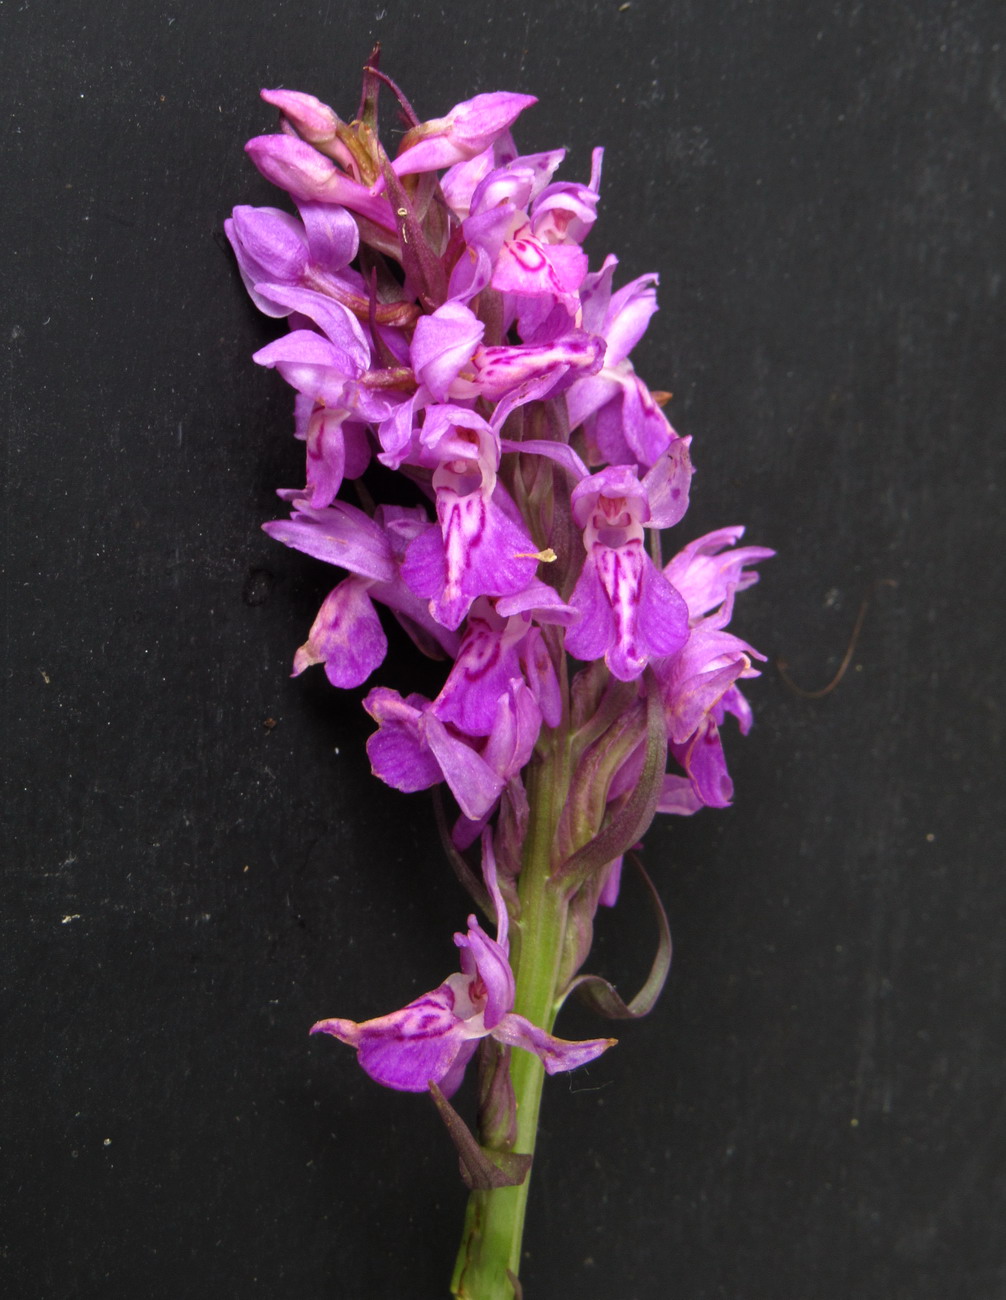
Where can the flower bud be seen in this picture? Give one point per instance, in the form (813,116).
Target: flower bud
(468,128)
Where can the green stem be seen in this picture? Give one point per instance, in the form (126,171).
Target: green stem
(494,1224)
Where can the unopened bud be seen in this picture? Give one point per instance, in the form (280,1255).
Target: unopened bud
(468,128)
(313,121)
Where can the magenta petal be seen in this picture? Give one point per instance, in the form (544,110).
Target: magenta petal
(396,431)
(734,702)
(480,552)
(615,481)
(501,369)
(622,573)
(452,1080)
(357,449)
(515,730)
(293,165)
(309,176)
(501,555)
(408,1049)
(706,571)
(326,456)
(650,617)
(628,315)
(556,1054)
(663,614)
(694,681)
(595,295)
(630,612)
(561,452)
(304,347)
(542,678)
(703,759)
(333,237)
(514,184)
(565,212)
(608,896)
(589,395)
(481,673)
(486,958)
(397,751)
(531,390)
(692,699)
(590,637)
(442,343)
(338,534)
(540,600)
(472,272)
(312,119)
(338,323)
(644,425)
(444,436)
(472,781)
(425,567)
(312,364)
(678,796)
(346,636)
(269,245)
(459,183)
(667,485)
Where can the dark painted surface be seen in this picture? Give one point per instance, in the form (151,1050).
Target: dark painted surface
(815,1108)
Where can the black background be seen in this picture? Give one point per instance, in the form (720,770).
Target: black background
(814,1109)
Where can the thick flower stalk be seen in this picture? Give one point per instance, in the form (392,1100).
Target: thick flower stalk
(444,321)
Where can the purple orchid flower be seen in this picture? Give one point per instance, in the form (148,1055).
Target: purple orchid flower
(269,245)
(565,212)
(622,421)
(630,611)
(560,355)
(495,652)
(529,268)
(482,547)
(449,359)
(413,750)
(707,782)
(699,685)
(333,370)
(433,1038)
(337,448)
(321,366)
(346,635)
(496,209)
(442,344)
(273,247)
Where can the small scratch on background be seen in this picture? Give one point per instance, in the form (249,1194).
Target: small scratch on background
(524,45)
